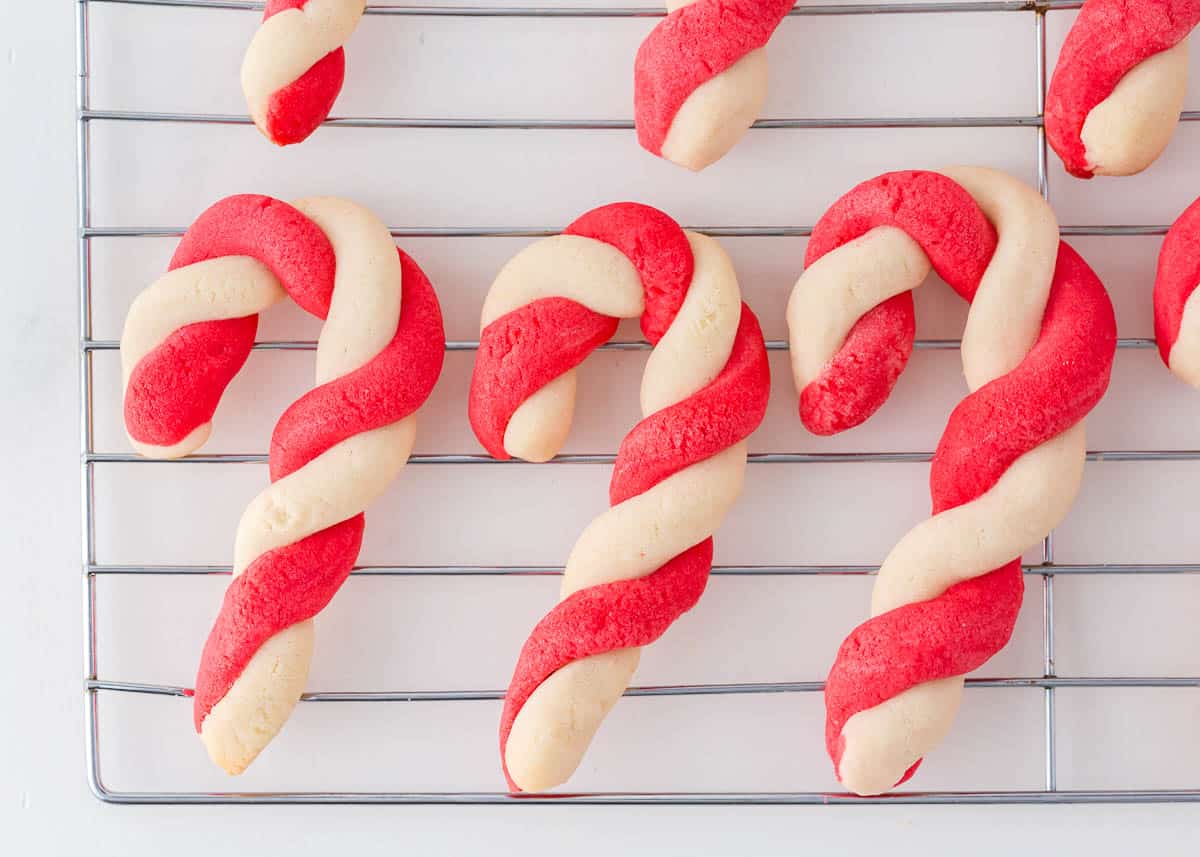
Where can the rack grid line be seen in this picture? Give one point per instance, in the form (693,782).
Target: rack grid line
(1048,683)
(901,8)
(631,345)
(592,124)
(718,570)
(1115,230)
(1047,569)
(1114,455)
(1043,175)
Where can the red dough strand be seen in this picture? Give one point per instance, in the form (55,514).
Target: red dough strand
(943,219)
(1058,382)
(603,619)
(394,384)
(658,249)
(635,612)
(1178,275)
(177,386)
(299,108)
(276,591)
(1006,418)
(700,426)
(1108,39)
(522,351)
(294,583)
(950,635)
(850,389)
(274,7)
(689,47)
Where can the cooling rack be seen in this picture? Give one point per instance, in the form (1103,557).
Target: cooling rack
(1043,571)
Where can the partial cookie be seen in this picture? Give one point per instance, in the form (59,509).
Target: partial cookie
(1118,87)
(1176,312)
(700,77)
(295,65)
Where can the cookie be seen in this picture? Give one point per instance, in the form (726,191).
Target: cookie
(1037,354)
(639,566)
(332,452)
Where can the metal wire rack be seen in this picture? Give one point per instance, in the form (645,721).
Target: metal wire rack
(1047,570)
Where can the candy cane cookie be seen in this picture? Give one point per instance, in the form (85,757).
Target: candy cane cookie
(1117,91)
(293,70)
(1176,305)
(334,450)
(1037,353)
(640,565)
(700,77)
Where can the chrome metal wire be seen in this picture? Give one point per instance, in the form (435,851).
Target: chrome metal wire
(1047,569)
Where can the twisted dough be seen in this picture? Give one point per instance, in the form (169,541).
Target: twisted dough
(1037,353)
(332,452)
(294,68)
(643,563)
(1176,305)
(1118,88)
(700,77)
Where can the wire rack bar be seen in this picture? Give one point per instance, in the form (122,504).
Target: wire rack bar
(575,124)
(718,570)
(811,123)
(1047,682)
(88,504)
(1051,735)
(1110,230)
(632,11)
(657,798)
(93,571)
(627,346)
(1114,455)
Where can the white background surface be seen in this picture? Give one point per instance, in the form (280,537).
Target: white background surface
(421,634)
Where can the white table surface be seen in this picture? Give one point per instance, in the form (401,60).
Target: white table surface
(45,800)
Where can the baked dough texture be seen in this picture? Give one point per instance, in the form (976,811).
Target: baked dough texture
(1037,354)
(1176,305)
(295,65)
(700,77)
(1117,90)
(640,565)
(333,451)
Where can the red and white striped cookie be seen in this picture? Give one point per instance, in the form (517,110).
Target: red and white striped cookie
(700,77)
(645,561)
(294,68)
(1037,353)
(1176,298)
(332,452)
(1118,88)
